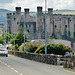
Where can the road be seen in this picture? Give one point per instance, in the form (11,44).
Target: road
(13,65)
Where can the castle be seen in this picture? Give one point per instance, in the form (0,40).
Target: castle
(58,25)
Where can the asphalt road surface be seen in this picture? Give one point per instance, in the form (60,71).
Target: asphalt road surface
(13,65)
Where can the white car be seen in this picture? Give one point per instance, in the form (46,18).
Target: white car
(3,51)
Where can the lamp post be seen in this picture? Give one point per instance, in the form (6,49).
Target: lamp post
(24,32)
(8,35)
(45,28)
(14,38)
(4,35)
(14,34)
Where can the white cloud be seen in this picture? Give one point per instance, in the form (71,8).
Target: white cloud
(6,1)
(62,4)
(32,4)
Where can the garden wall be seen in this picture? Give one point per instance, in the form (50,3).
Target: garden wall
(49,59)
(69,61)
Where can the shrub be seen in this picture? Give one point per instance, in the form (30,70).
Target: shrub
(67,49)
(16,47)
(1,40)
(29,47)
(58,49)
(40,49)
(21,47)
(12,47)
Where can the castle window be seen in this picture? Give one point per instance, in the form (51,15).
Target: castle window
(28,30)
(74,27)
(74,34)
(60,19)
(26,25)
(29,25)
(17,22)
(65,26)
(55,26)
(14,19)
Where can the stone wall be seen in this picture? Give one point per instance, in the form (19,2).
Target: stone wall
(73,45)
(48,59)
(69,61)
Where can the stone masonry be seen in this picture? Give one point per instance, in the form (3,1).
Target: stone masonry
(58,25)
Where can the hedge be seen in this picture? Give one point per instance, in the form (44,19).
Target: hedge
(53,48)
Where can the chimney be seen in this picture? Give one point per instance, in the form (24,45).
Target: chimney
(50,10)
(18,10)
(39,9)
(26,10)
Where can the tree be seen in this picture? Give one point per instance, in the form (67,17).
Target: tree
(1,40)
(10,36)
(19,38)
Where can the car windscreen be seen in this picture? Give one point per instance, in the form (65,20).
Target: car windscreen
(2,48)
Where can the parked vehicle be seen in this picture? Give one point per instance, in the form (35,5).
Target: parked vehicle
(0,44)
(3,51)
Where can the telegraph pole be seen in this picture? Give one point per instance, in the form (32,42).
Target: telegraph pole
(45,28)
(8,36)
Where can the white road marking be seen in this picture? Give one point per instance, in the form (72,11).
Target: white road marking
(21,74)
(11,68)
(16,71)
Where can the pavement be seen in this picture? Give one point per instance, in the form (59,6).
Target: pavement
(13,65)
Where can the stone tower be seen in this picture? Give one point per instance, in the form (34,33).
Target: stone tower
(50,10)
(18,10)
(39,23)
(9,22)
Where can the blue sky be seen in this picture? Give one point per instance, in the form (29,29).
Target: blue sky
(32,4)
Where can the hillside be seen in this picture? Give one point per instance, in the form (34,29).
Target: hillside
(64,12)
(3,15)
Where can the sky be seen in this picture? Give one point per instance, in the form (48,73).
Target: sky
(32,4)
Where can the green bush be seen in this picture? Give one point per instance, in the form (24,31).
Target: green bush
(67,49)
(1,40)
(29,47)
(16,47)
(58,49)
(40,49)
(12,47)
(21,47)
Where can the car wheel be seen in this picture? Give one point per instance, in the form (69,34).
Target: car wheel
(7,55)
